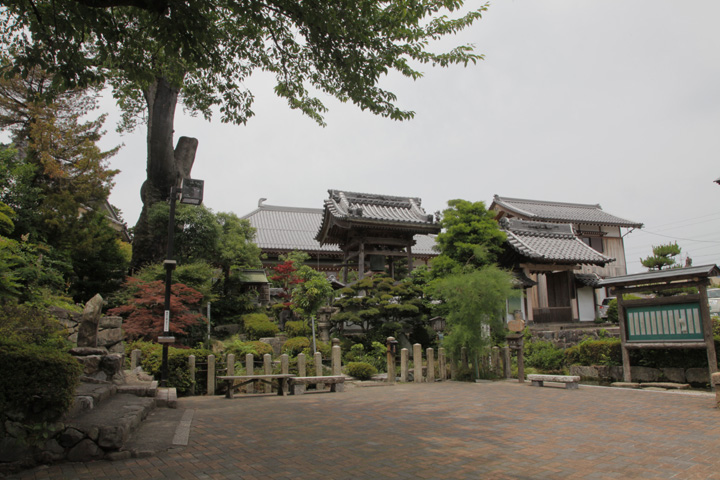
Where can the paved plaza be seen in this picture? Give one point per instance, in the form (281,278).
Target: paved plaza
(450,430)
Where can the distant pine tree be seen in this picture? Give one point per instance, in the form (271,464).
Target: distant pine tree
(663,257)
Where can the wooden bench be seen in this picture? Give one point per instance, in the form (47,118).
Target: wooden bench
(281,379)
(570,381)
(299,384)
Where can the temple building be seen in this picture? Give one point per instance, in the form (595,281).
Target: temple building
(353,232)
(565,249)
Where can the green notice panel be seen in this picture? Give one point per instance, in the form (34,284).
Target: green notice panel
(664,323)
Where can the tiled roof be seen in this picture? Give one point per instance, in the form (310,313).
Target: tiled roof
(291,228)
(577,213)
(662,276)
(543,242)
(343,209)
(287,228)
(588,279)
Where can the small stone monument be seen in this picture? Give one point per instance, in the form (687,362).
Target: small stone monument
(88,331)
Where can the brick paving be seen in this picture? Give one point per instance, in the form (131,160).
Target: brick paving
(498,430)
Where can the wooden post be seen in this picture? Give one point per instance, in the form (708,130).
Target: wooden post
(442,364)
(284,364)
(417,363)
(707,333)
(191,367)
(507,369)
(230,360)
(390,360)
(302,365)
(319,370)
(409,257)
(430,355)
(627,369)
(267,368)
(521,361)
(250,370)
(404,365)
(211,375)
(361,261)
(336,359)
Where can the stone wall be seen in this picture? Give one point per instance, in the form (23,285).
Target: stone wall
(109,334)
(572,334)
(694,376)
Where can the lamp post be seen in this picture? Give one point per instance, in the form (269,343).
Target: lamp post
(191,192)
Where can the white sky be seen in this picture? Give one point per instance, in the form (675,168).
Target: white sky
(609,102)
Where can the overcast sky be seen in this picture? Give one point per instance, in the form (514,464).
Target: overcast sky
(614,103)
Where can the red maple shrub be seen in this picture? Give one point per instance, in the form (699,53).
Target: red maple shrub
(144,313)
(286,278)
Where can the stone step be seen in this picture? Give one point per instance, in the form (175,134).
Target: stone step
(89,396)
(166,398)
(140,389)
(101,432)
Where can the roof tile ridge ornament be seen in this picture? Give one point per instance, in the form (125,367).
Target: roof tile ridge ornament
(416,208)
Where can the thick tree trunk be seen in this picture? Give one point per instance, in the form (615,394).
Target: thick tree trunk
(166,166)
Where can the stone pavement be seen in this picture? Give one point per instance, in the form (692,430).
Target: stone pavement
(450,430)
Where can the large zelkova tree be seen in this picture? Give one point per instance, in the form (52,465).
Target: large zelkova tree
(663,257)
(155,52)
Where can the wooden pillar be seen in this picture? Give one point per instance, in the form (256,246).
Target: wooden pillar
(707,333)
(211,375)
(346,266)
(627,374)
(361,261)
(409,256)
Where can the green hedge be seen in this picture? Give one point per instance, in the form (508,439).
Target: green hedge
(361,370)
(36,381)
(298,328)
(240,349)
(296,345)
(258,325)
(544,356)
(605,351)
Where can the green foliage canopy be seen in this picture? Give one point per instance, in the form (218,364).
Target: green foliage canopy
(209,48)
(663,257)
(470,238)
(475,303)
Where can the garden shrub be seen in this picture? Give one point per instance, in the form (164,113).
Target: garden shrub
(544,356)
(240,349)
(38,382)
(375,356)
(178,366)
(605,351)
(296,345)
(361,370)
(298,328)
(26,324)
(324,348)
(258,325)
